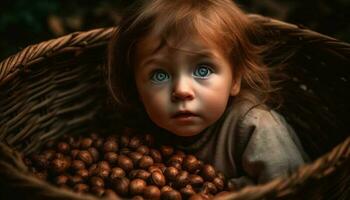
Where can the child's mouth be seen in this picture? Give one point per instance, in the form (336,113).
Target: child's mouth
(184,115)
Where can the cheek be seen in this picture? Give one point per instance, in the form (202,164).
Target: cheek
(154,100)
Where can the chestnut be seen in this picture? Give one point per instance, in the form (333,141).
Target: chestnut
(149,139)
(84,173)
(135,157)
(40,161)
(74,153)
(156,155)
(85,143)
(187,191)
(208,172)
(209,187)
(111,157)
(137,186)
(166,150)
(158,179)
(61,180)
(145,162)
(96,181)
(85,156)
(77,165)
(121,186)
(171,195)
(191,163)
(143,149)
(125,163)
(49,154)
(219,183)
(110,145)
(196,180)
(59,165)
(117,172)
(63,147)
(75,179)
(98,191)
(182,179)
(152,192)
(94,153)
(134,142)
(171,173)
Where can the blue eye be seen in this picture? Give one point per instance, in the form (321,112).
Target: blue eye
(159,76)
(202,71)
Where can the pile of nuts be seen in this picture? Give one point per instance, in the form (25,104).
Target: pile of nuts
(127,164)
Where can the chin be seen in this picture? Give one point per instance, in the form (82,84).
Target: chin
(186,133)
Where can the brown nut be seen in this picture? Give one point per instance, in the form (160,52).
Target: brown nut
(124,140)
(171,173)
(77,165)
(96,181)
(94,153)
(199,197)
(196,180)
(111,157)
(158,179)
(171,195)
(166,151)
(110,146)
(148,139)
(48,154)
(137,186)
(125,163)
(175,164)
(182,179)
(142,174)
(145,162)
(85,143)
(98,143)
(176,158)
(117,172)
(61,180)
(135,157)
(191,163)
(81,188)
(40,161)
(134,142)
(152,192)
(209,187)
(208,172)
(84,173)
(137,197)
(74,153)
(121,186)
(59,165)
(85,156)
(154,168)
(143,149)
(187,191)
(156,155)
(103,169)
(219,183)
(73,180)
(63,147)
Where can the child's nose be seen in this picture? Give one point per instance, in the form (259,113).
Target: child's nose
(182,90)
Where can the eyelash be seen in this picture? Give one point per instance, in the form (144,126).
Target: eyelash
(156,72)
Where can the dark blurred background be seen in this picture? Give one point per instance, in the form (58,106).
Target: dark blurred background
(25,22)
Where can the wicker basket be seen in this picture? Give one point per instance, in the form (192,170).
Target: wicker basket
(56,87)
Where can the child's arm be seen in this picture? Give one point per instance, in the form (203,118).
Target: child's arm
(273,148)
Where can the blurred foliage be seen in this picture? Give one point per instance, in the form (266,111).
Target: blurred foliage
(24,22)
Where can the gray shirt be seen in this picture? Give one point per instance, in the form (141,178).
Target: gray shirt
(249,144)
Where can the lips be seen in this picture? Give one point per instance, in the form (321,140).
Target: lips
(184,114)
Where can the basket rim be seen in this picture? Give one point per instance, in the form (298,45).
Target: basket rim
(32,54)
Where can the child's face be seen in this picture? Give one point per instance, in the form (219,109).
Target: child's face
(184,87)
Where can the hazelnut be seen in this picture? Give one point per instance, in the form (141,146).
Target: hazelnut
(171,195)
(209,187)
(121,186)
(110,145)
(208,172)
(143,174)
(85,143)
(137,186)
(145,162)
(124,151)
(125,163)
(74,143)
(58,155)
(152,192)
(124,140)
(81,188)
(196,180)
(161,166)
(85,156)
(73,180)
(77,165)
(154,168)
(61,180)
(135,157)
(94,153)
(171,173)
(182,179)
(93,170)
(84,173)
(143,149)
(134,142)
(157,178)
(219,183)
(149,139)
(111,157)
(175,164)
(98,143)
(63,147)
(187,191)
(96,181)
(191,163)
(176,158)
(166,151)
(49,154)
(74,153)
(156,155)
(117,172)
(166,188)
(59,165)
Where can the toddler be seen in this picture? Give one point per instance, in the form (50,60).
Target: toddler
(190,69)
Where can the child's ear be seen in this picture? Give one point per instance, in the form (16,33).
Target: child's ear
(236,86)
